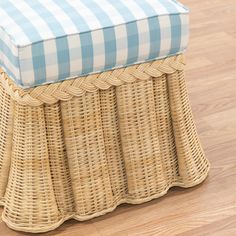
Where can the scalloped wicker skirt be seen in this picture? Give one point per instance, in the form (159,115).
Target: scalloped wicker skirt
(80,148)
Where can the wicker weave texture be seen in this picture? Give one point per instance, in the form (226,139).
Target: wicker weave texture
(82,157)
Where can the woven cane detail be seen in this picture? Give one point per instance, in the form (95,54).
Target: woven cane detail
(66,90)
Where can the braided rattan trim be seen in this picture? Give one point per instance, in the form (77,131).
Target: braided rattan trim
(66,90)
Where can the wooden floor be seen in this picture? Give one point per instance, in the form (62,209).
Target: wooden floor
(209,209)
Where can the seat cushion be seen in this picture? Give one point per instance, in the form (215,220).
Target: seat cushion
(46,41)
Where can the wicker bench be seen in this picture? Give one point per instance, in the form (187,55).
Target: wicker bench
(79,147)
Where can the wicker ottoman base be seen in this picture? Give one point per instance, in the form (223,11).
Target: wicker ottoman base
(79,148)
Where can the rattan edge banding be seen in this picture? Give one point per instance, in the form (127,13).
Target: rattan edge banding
(66,90)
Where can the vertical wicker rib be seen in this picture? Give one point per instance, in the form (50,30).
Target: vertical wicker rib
(6,118)
(85,146)
(140,142)
(81,157)
(58,159)
(30,199)
(192,161)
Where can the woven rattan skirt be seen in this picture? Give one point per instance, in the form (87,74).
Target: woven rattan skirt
(79,148)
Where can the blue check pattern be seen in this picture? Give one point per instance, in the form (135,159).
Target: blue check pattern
(46,41)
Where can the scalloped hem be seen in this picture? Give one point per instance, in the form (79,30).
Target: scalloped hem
(89,217)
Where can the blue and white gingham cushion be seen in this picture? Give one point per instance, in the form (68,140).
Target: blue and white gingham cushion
(45,41)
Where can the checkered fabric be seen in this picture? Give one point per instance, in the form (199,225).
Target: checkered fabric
(46,41)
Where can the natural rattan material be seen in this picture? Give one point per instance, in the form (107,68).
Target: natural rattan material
(79,148)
